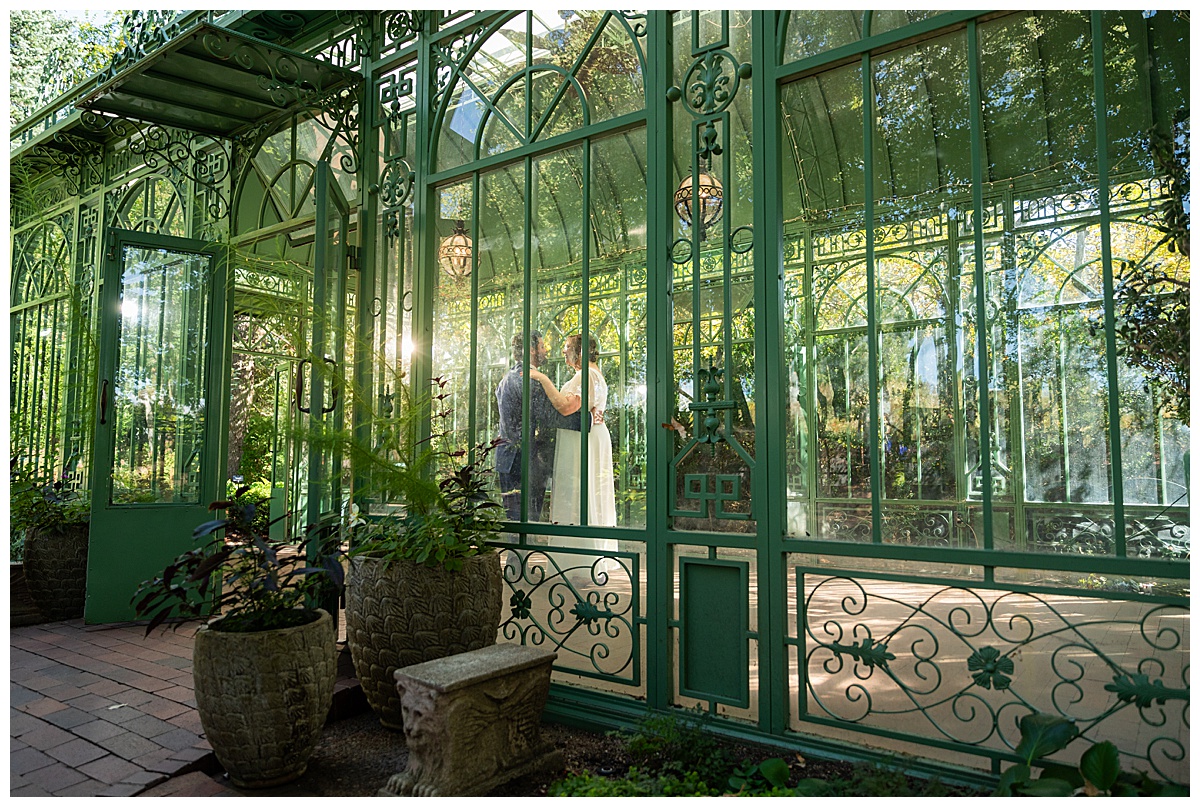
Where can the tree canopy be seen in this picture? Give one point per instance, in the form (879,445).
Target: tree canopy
(50,53)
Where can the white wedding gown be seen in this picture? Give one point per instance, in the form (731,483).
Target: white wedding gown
(602,506)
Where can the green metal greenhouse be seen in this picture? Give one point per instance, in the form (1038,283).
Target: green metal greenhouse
(905,248)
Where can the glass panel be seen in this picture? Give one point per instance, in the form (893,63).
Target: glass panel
(1147,149)
(713,423)
(158,402)
(611,73)
(501,345)
(617,226)
(825,306)
(579,452)
(890,19)
(1038,109)
(921,165)
(452,335)
(506,126)
(811,32)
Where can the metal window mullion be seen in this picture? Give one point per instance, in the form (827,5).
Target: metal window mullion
(1016,439)
(424,249)
(872,319)
(585,426)
(473,356)
(526,341)
(369,328)
(660,361)
(1110,345)
(770,356)
(528,134)
(981,342)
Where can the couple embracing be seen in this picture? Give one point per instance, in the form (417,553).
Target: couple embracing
(556,417)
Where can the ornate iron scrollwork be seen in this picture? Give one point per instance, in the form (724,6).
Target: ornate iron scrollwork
(147,32)
(587,611)
(192,155)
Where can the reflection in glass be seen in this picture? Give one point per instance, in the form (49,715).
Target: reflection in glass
(158,402)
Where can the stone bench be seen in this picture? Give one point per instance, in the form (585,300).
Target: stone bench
(472,721)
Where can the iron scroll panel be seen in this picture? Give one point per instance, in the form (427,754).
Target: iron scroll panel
(956,666)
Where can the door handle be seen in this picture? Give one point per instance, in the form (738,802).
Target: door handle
(335,389)
(300,385)
(103,400)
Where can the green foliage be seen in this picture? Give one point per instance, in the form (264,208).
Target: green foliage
(448,515)
(257,448)
(760,777)
(675,756)
(1099,772)
(40,504)
(240,575)
(874,780)
(1153,331)
(50,53)
(257,494)
(1042,735)
(676,744)
(635,783)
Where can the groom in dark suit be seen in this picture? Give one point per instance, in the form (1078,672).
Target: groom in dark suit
(543,422)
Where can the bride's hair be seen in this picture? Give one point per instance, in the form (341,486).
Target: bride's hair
(575,341)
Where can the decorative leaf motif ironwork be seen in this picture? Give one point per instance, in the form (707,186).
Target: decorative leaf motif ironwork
(1137,688)
(868,651)
(586,611)
(147,31)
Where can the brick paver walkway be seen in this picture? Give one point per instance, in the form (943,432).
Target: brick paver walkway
(100,711)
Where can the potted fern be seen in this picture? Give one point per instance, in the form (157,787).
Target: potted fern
(265,667)
(424,584)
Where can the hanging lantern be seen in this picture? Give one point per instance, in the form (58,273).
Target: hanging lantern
(710,197)
(455,253)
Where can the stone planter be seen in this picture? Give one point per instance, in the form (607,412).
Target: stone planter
(56,570)
(408,613)
(263,697)
(21,610)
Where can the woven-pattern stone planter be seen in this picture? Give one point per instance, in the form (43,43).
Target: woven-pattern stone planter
(56,570)
(263,698)
(408,613)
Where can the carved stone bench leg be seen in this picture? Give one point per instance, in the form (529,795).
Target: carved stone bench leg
(472,721)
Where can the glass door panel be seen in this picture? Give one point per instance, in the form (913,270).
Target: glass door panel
(159,437)
(158,404)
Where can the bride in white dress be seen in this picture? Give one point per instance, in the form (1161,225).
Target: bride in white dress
(564,504)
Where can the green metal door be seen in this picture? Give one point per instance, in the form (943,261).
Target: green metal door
(160,428)
(320,376)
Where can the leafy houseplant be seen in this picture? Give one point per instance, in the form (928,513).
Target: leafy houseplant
(1099,772)
(54,523)
(424,584)
(265,669)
